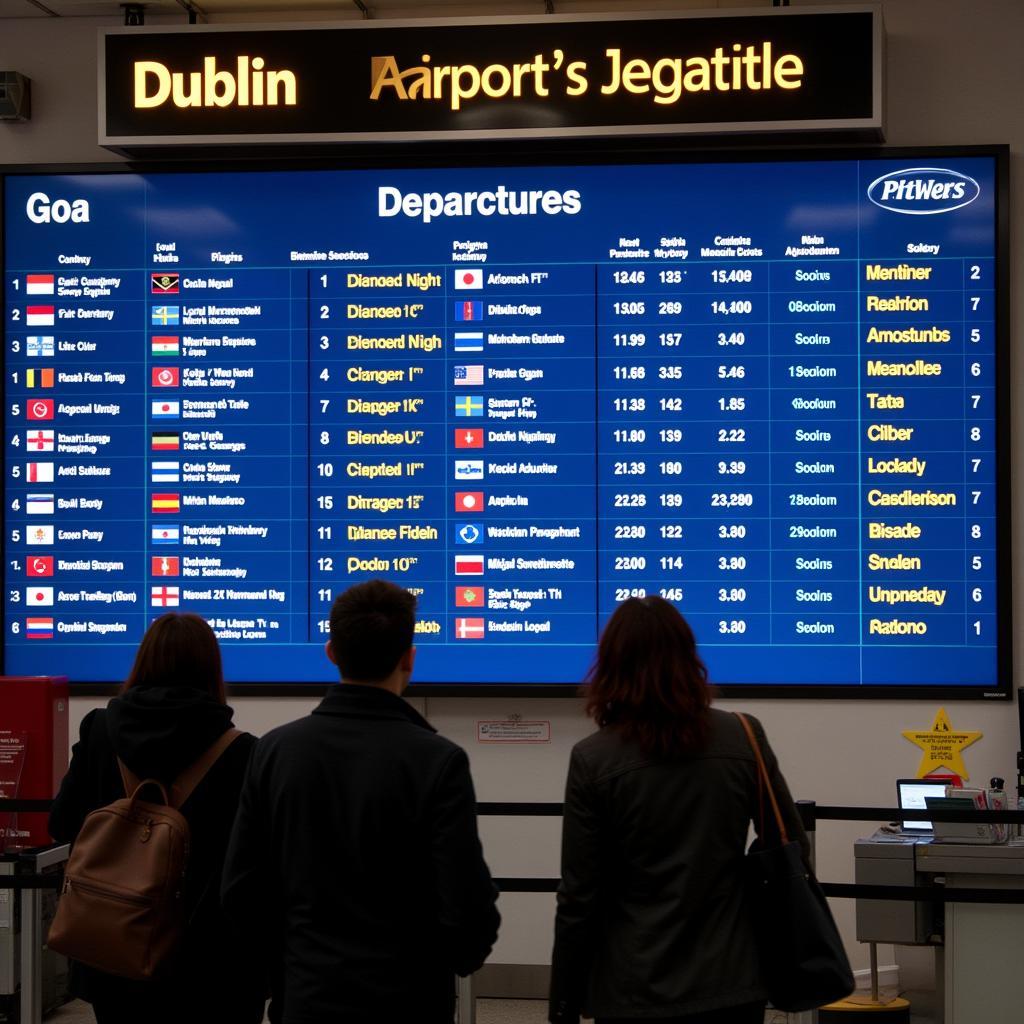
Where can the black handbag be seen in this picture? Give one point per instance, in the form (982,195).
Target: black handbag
(803,963)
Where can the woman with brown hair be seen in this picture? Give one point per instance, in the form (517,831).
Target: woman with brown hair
(170,711)
(651,922)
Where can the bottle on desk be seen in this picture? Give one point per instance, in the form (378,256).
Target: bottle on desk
(995,798)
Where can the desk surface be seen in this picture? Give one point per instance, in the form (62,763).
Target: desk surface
(939,857)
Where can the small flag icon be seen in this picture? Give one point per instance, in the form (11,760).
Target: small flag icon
(164,597)
(165,284)
(165,345)
(469,469)
(39,316)
(469,629)
(39,629)
(39,472)
(165,441)
(39,284)
(39,565)
(469,565)
(166,503)
(39,346)
(163,315)
(39,535)
(165,376)
(469,341)
(166,410)
(166,472)
(39,441)
(39,378)
(469,376)
(164,566)
(39,504)
(469,533)
(39,409)
(465,279)
(471,437)
(470,597)
(165,534)
(39,597)
(469,405)
(469,501)
(468,310)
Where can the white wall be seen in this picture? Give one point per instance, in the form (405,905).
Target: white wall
(955,76)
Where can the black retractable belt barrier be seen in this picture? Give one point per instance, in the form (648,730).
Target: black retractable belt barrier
(20,882)
(25,806)
(810,813)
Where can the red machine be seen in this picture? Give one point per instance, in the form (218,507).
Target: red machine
(33,752)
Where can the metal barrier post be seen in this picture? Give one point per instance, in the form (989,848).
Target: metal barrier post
(808,811)
(809,819)
(31,956)
(32,937)
(466,1013)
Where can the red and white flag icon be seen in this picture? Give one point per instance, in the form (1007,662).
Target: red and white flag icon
(39,441)
(39,473)
(39,316)
(165,376)
(39,409)
(165,597)
(468,279)
(469,565)
(39,597)
(162,566)
(39,284)
(469,501)
(473,438)
(39,565)
(469,629)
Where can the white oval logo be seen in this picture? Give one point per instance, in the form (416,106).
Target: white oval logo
(923,190)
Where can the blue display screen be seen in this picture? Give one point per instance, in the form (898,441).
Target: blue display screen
(763,390)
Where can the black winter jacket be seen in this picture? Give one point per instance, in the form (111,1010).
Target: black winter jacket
(158,732)
(651,919)
(356,853)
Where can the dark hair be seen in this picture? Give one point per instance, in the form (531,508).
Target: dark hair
(647,680)
(372,626)
(179,650)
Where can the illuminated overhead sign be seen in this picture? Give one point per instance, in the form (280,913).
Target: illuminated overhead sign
(791,69)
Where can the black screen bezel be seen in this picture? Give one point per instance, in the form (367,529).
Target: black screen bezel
(600,152)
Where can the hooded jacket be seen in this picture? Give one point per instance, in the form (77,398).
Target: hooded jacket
(158,732)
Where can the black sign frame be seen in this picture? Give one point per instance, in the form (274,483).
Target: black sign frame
(842,81)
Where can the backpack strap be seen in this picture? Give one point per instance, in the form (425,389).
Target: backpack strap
(184,785)
(129,779)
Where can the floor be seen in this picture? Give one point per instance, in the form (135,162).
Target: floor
(489,1011)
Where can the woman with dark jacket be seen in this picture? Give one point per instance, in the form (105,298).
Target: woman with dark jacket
(170,711)
(651,922)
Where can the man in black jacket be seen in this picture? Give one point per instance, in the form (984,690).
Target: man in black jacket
(355,850)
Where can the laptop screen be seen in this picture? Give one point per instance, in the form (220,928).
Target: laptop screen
(911,797)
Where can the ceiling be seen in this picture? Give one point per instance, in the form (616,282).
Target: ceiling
(159,11)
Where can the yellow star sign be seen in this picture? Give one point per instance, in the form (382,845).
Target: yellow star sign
(942,746)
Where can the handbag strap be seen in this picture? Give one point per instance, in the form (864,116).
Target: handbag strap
(764,781)
(184,785)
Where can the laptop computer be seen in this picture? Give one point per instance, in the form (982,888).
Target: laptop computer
(911,795)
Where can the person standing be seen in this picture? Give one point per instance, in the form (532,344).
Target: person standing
(355,849)
(171,710)
(651,923)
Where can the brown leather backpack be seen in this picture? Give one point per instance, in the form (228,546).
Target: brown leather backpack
(122,907)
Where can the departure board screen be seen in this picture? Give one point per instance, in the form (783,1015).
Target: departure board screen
(766,391)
